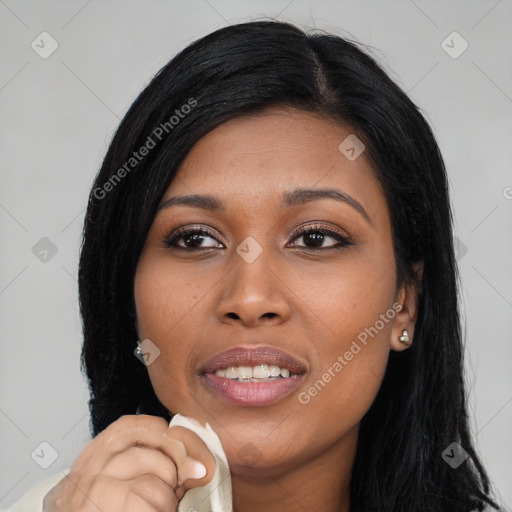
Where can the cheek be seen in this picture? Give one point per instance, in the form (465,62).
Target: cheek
(349,374)
(348,297)
(348,369)
(171,314)
(165,298)
(353,307)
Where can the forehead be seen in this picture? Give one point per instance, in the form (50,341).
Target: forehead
(257,157)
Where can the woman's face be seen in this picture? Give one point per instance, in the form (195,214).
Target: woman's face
(323,306)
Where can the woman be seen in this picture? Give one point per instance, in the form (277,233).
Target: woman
(270,231)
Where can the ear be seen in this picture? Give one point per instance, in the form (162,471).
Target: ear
(407,300)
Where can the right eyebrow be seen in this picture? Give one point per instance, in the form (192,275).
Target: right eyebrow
(205,202)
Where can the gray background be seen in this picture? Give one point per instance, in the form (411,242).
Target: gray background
(59,113)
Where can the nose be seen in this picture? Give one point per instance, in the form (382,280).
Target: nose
(254,293)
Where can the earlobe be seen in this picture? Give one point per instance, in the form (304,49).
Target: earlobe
(402,333)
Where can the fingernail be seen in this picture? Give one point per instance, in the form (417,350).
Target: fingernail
(197,470)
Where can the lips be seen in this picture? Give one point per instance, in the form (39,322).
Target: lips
(255,356)
(249,393)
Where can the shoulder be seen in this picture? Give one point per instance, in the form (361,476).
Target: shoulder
(32,500)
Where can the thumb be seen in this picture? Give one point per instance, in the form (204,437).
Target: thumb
(197,469)
(190,472)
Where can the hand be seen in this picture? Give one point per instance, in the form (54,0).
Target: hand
(137,464)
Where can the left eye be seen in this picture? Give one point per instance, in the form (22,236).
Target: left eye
(314,237)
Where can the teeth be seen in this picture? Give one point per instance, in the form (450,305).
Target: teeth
(261,371)
(274,371)
(254,373)
(231,373)
(244,372)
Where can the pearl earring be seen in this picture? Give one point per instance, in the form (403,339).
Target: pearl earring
(405,339)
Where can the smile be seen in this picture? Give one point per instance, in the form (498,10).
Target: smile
(253,377)
(254,373)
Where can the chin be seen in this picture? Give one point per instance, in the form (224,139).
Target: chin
(252,456)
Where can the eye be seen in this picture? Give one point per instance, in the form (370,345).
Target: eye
(192,238)
(315,236)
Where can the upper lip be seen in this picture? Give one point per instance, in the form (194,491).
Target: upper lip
(254,356)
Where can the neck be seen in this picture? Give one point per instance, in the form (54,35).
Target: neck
(321,483)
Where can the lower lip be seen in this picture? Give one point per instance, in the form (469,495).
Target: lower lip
(251,394)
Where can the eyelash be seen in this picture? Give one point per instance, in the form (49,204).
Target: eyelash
(343,239)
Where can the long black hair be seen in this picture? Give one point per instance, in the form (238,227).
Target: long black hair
(421,406)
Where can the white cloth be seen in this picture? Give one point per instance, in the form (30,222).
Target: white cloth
(217,495)
(32,500)
(214,497)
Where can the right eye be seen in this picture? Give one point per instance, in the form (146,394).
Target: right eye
(190,239)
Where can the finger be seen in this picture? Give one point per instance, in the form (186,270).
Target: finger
(196,451)
(127,431)
(153,491)
(135,462)
(58,496)
(145,494)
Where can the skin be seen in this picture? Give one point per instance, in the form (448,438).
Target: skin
(137,464)
(194,304)
(294,454)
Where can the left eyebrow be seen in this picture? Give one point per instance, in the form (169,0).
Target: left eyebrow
(300,196)
(290,199)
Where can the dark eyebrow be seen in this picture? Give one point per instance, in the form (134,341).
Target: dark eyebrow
(304,195)
(205,202)
(290,199)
